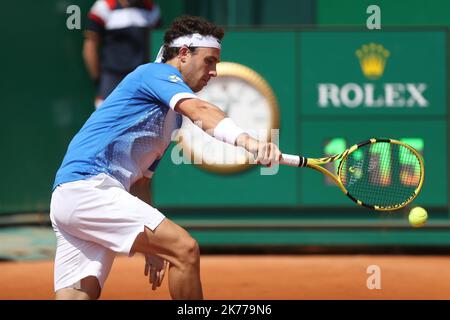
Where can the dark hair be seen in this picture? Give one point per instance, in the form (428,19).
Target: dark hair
(186,25)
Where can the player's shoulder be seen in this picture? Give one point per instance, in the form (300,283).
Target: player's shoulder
(162,66)
(162,71)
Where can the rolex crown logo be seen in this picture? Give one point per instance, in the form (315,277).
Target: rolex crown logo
(372,58)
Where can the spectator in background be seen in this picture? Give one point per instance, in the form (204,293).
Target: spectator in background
(117,40)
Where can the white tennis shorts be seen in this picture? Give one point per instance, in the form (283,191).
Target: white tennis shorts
(93,220)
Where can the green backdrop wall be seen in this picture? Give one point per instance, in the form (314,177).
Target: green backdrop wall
(46,96)
(393,13)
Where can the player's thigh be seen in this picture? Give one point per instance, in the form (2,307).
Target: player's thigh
(71,294)
(168,240)
(89,289)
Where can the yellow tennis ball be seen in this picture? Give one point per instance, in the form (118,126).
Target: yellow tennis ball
(418,217)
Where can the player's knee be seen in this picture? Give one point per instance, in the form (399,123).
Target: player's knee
(189,253)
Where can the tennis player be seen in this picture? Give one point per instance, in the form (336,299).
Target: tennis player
(100,204)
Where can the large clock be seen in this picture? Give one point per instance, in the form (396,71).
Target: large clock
(247,99)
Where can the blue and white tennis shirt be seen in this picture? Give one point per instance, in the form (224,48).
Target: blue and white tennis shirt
(127,136)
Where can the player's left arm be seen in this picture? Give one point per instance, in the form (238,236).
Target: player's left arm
(141,189)
(155,267)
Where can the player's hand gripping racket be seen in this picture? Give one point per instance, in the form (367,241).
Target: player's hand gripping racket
(381,174)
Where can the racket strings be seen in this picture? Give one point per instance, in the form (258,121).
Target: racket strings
(381,174)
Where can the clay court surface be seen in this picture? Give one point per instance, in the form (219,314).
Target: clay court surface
(259,277)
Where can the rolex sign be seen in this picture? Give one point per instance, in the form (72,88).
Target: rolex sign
(389,73)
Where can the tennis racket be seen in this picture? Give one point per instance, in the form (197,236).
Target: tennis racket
(380,174)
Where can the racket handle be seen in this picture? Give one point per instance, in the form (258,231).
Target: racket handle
(292,160)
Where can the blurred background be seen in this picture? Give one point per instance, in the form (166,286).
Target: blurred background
(327,98)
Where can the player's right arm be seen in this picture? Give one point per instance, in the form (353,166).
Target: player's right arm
(166,86)
(211,119)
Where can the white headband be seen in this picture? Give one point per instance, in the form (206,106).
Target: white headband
(192,40)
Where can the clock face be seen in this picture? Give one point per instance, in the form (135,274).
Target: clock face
(247,99)
(241,101)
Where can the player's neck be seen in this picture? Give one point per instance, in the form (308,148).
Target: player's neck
(174,63)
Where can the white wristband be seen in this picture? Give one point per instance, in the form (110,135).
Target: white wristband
(227,131)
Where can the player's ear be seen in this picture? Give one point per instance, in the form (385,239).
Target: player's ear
(183,53)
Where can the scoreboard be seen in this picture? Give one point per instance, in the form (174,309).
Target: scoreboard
(359,85)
